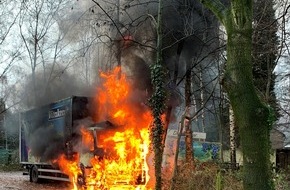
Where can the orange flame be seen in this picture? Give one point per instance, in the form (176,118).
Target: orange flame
(88,140)
(124,164)
(71,168)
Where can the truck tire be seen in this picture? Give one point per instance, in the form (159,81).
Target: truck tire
(34,174)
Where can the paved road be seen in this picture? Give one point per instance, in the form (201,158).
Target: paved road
(17,181)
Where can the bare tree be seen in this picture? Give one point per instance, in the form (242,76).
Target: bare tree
(9,14)
(43,42)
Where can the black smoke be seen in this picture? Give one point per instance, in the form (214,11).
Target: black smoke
(184,22)
(55,84)
(46,144)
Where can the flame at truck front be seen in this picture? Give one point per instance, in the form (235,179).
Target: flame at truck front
(120,156)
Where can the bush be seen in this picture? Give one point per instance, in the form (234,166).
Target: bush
(11,161)
(209,176)
(281,180)
(206,176)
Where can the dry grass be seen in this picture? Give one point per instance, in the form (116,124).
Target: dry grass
(282,180)
(204,176)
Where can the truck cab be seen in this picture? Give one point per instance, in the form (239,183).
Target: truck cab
(101,155)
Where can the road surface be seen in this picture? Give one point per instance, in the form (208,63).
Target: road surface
(18,181)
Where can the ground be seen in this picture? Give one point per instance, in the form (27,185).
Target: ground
(18,181)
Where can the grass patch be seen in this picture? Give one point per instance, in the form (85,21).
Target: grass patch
(209,176)
(10,167)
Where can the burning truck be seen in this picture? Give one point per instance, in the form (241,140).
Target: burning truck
(100,142)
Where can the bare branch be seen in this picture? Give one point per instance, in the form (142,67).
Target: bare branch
(114,23)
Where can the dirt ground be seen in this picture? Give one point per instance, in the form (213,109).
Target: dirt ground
(18,181)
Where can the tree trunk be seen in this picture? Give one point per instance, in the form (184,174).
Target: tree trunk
(202,101)
(174,81)
(251,115)
(157,104)
(188,131)
(175,167)
(232,138)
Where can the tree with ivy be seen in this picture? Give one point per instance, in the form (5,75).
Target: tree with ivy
(265,49)
(157,103)
(252,116)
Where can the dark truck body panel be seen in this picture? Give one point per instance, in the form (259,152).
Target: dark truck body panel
(44,132)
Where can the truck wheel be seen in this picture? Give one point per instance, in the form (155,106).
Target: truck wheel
(34,174)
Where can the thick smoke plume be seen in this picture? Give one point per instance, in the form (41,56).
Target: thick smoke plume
(187,40)
(54,85)
(43,140)
(46,147)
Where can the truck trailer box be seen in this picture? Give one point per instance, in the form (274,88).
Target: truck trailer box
(45,133)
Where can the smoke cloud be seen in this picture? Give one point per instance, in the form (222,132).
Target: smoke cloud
(45,144)
(188,23)
(51,86)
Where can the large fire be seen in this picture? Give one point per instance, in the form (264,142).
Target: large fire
(126,148)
